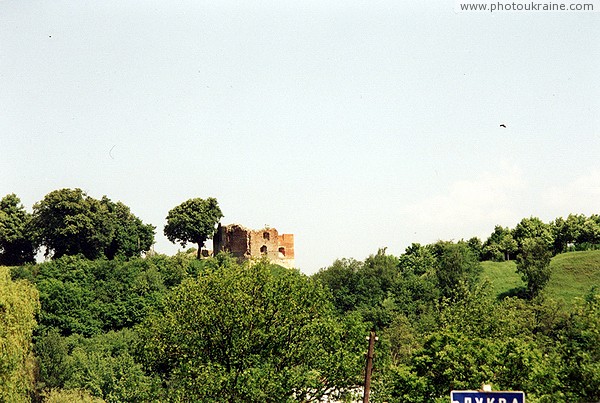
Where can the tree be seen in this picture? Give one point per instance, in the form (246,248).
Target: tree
(342,280)
(533,263)
(590,233)
(476,246)
(69,222)
(194,220)
(89,297)
(18,305)
(567,232)
(500,245)
(102,365)
(458,267)
(131,236)
(533,227)
(249,333)
(16,243)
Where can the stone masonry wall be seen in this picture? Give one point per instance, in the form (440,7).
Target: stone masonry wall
(244,244)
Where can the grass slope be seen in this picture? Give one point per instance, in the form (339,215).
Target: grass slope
(573,275)
(502,275)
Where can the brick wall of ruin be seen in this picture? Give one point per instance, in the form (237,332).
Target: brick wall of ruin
(245,244)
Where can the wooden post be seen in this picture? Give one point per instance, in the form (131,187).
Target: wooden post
(369,366)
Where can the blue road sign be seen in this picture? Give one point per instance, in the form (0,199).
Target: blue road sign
(471,396)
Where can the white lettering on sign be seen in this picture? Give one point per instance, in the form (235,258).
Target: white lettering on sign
(484,400)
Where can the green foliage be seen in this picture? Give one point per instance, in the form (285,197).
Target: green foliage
(500,245)
(131,236)
(181,329)
(90,297)
(250,333)
(533,227)
(416,288)
(577,232)
(573,274)
(457,268)
(580,350)
(193,221)
(533,263)
(478,340)
(18,305)
(69,222)
(16,240)
(476,247)
(342,280)
(103,365)
(70,396)
(418,260)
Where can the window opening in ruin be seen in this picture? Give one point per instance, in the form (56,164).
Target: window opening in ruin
(282,252)
(266,236)
(263,249)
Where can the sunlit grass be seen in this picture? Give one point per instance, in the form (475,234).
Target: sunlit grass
(573,276)
(503,276)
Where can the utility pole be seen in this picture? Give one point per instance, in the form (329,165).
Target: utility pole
(369,368)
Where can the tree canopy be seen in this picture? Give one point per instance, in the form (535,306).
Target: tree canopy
(194,220)
(16,241)
(18,305)
(69,222)
(533,263)
(160,328)
(248,333)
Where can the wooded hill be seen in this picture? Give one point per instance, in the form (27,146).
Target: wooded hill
(98,322)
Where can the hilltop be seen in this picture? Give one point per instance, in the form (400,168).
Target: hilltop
(573,275)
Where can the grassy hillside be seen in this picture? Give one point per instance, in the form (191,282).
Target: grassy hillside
(502,275)
(573,275)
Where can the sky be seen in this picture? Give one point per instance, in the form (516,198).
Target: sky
(354,125)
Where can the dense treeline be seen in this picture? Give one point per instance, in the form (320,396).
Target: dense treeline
(441,330)
(69,222)
(99,321)
(180,329)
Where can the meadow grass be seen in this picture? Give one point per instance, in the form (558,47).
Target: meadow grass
(502,276)
(573,276)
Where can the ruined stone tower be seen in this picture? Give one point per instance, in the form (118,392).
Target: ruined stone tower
(245,243)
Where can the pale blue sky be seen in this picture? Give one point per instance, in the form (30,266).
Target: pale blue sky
(352,124)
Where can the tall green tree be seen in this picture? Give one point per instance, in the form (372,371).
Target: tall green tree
(16,240)
(533,263)
(342,280)
(533,227)
(194,220)
(69,222)
(250,333)
(457,267)
(18,305)
(131,236)
(567,232)
(500,245)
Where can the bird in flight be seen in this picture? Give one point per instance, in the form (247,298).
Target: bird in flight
(503,125)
